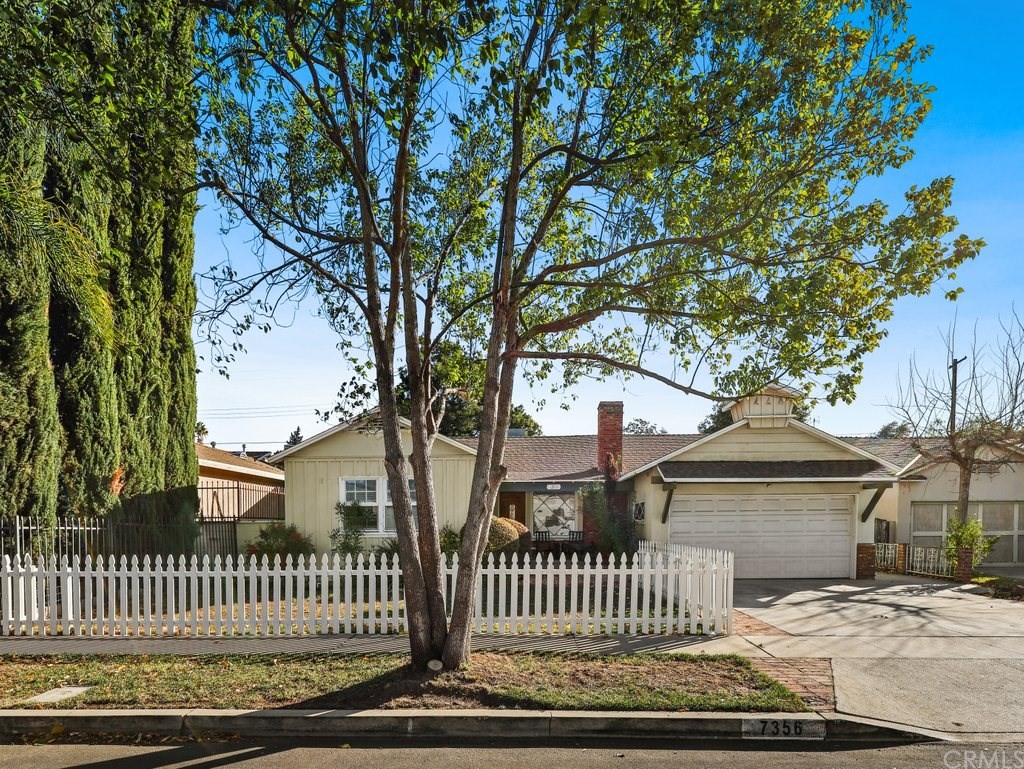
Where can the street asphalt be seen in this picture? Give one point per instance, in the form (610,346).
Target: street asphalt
(515,756)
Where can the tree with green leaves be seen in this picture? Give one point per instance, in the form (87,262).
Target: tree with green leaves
(894,429)
(457,386)
(567,190)
(640,426)
(29,429)
(108,90)
(294,439)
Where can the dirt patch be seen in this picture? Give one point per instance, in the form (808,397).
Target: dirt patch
(744,624)
(509,680)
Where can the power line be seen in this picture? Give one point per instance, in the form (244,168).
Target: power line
(229,417)
(253,409)
(247,443)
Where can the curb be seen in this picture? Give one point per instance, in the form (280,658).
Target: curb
(461,724)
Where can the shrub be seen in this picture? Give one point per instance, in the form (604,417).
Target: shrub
(280,540)
(967,535)
(503,537)
(347,538)
(450,540)
(615,533)
(525,539)
(388,549)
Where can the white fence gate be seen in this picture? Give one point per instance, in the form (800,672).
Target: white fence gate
(650,592)
(709,581)
(928,562)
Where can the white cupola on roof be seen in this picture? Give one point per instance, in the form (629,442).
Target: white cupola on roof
(771,406)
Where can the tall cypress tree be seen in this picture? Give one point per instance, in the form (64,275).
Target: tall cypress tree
(29,428)
(181,464)
(153,247)
(83,360)
(117,151)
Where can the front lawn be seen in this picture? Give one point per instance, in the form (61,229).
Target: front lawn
(554,681)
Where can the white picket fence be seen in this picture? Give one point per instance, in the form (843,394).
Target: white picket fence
(710,575)
(650,592)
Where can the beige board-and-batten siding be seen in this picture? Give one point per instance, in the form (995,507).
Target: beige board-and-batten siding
(312,481)
(766,443)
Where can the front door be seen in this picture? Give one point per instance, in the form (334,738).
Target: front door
(512,504)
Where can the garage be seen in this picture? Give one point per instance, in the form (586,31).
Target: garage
(772,536)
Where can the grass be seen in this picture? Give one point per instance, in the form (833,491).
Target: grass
(523,680)
(1002,587)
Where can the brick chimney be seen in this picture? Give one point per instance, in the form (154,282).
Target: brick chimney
(609,437)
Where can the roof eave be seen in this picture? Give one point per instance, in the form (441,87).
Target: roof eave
(353,423)
(243,470)
(857,479)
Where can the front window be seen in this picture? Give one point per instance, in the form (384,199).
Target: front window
(376,511)
(555,515)
(389,510)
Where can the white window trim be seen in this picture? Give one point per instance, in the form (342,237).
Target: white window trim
(383,492)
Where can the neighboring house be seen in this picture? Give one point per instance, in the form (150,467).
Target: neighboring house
(789,499)
(239,489)
(258,456)
(927,500)
(217,464)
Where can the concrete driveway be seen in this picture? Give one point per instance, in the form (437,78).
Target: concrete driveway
(926,654)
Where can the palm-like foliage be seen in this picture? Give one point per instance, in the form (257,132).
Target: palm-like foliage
(46,242)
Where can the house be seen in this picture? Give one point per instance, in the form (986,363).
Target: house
(244,491)
(216,464)
(927,500)
(789,499)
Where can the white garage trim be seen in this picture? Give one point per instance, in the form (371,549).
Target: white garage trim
(772,535)
(847,479)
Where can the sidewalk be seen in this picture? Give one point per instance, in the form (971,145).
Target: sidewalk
(352,643)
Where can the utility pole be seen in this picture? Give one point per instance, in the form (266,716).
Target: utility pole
(952,393)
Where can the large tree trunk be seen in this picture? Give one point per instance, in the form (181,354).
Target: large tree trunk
(417,608)
(499,378)
(963,496)
(428,539)
(487,477)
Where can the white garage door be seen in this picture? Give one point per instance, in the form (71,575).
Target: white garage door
(772,536)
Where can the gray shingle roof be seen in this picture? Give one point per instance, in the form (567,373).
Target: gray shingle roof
(899,451)
(853,469)
(574,457)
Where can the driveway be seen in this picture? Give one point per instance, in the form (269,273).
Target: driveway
(926,654)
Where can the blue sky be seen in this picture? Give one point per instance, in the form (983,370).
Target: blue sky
(975,133)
